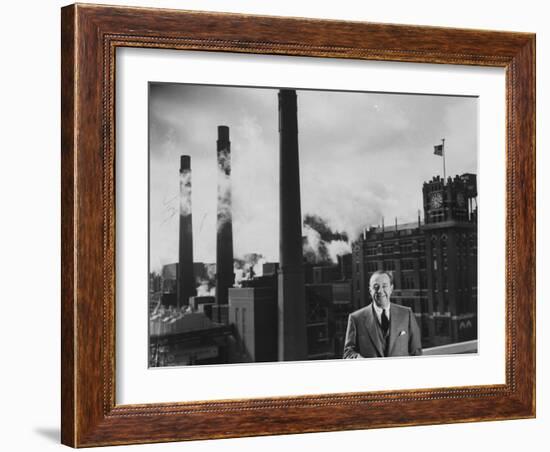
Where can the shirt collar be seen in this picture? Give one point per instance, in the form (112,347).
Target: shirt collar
(378,311)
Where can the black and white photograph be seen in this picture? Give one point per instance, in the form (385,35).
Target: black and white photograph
(289,224)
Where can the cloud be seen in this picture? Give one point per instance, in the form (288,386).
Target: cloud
(363,156)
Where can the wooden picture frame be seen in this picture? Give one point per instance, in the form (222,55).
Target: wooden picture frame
(90,36)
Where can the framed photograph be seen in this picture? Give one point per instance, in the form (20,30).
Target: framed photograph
(282,225)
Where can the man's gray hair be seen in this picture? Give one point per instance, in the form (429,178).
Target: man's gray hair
(382,272)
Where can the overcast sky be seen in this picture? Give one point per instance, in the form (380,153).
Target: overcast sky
(362,156)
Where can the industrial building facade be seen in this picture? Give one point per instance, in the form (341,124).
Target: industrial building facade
(434,262)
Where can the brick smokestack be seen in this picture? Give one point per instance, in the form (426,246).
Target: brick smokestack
(225,277)
(292,308)
(186,279)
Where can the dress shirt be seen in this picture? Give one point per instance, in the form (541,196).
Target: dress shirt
(378,311)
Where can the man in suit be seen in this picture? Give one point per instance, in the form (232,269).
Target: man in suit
(382,328)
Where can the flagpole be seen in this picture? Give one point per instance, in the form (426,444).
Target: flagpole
(443,152)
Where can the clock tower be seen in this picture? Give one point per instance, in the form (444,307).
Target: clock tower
(450,200)
(450,231)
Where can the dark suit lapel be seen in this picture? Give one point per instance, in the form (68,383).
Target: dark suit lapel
(370,323)
(395,326)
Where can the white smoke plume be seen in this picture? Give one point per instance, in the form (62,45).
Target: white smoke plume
(205,289)
(321,244)
(224,188)
(312,245)
(250,265)
(239,276)
(211,271)
(259,266)
(338,248)
(185,192)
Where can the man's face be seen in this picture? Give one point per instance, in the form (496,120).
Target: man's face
(381,289)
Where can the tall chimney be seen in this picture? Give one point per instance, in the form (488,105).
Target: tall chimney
(291,293)
(186,279)
(225,277)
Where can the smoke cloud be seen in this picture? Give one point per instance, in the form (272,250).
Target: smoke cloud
(321,244)
(338,248)
(248,266)
(224,187)
(206,280)
(185,192)
(205,289)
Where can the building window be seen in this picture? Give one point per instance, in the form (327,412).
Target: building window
(407,264)
(388,249)
(389,265)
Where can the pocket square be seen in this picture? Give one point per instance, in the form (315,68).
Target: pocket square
(402,333)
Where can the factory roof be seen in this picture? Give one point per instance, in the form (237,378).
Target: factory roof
(400,227)
(175,321)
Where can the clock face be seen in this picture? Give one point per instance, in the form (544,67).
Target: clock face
(461,201)
(436,200)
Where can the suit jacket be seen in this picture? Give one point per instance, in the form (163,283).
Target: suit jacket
(362,340)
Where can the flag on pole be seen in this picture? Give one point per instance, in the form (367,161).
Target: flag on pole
(439,150)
